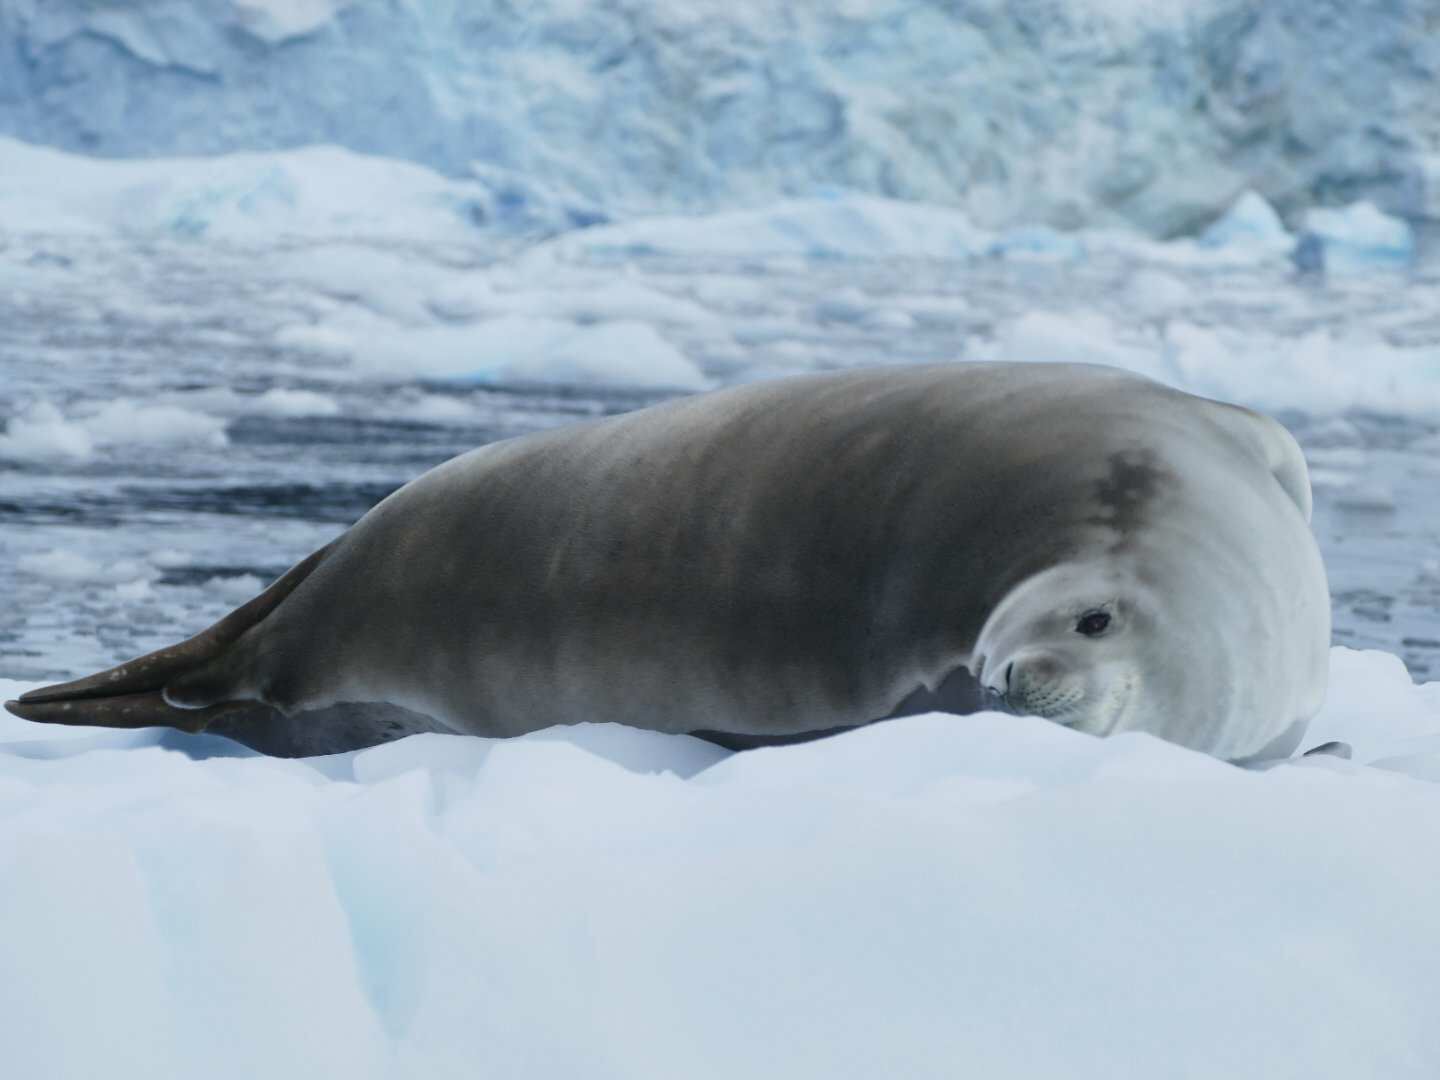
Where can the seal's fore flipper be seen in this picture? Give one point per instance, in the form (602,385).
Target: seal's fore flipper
(1330,749)
(131,695)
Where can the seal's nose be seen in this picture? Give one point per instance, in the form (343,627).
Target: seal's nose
(1001,686)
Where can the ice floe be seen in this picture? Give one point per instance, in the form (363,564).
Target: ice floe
(570,903)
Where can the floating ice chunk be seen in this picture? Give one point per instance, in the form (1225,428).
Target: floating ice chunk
(847,304)
(625,352)
(57,565)
(943,310)
(1360,236)
(464,300)
(734,291)
(42,434)
(480,350)
(1337,468)
(851,305)
(380,281)
(1323,479)
(1082,337)
(170,558)
(1039,243)
(131,592)
(1252,223)
(438,409)
(334,339)
(1367,500)
(236,588)
(276,21)
(1200,361)
(124,423)
(293,403)
(1157,292)
(847,226)
(1338,457)
(1318,371)
(523,349)
(889,318)
(1335,433)
(71,567)
(589,301)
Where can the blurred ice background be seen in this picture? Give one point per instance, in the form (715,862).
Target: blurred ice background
(261,261)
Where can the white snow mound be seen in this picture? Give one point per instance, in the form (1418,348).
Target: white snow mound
(992,891)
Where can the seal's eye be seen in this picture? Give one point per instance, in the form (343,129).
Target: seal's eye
(1093,623)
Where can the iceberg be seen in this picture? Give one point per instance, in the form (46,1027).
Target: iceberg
(1100,112)
(1250,223)
(1360,237)
(314,191)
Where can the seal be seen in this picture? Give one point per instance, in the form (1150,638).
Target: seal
(799,556)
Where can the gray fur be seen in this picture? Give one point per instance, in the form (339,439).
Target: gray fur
(793,557)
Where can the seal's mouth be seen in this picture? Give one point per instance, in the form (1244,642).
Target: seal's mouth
(999,702)
(1067,714)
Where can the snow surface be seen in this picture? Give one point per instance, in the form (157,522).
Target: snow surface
(993,895)
(1099,112)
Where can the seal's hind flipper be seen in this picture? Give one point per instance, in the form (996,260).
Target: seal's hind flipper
(131,694)
(125,711)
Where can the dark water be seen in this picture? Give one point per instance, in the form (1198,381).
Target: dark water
(157,536)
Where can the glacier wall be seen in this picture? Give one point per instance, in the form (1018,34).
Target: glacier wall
(1091,112)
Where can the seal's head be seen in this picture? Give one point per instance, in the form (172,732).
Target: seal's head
(1076,644)
(1182,593)
(1201,654)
